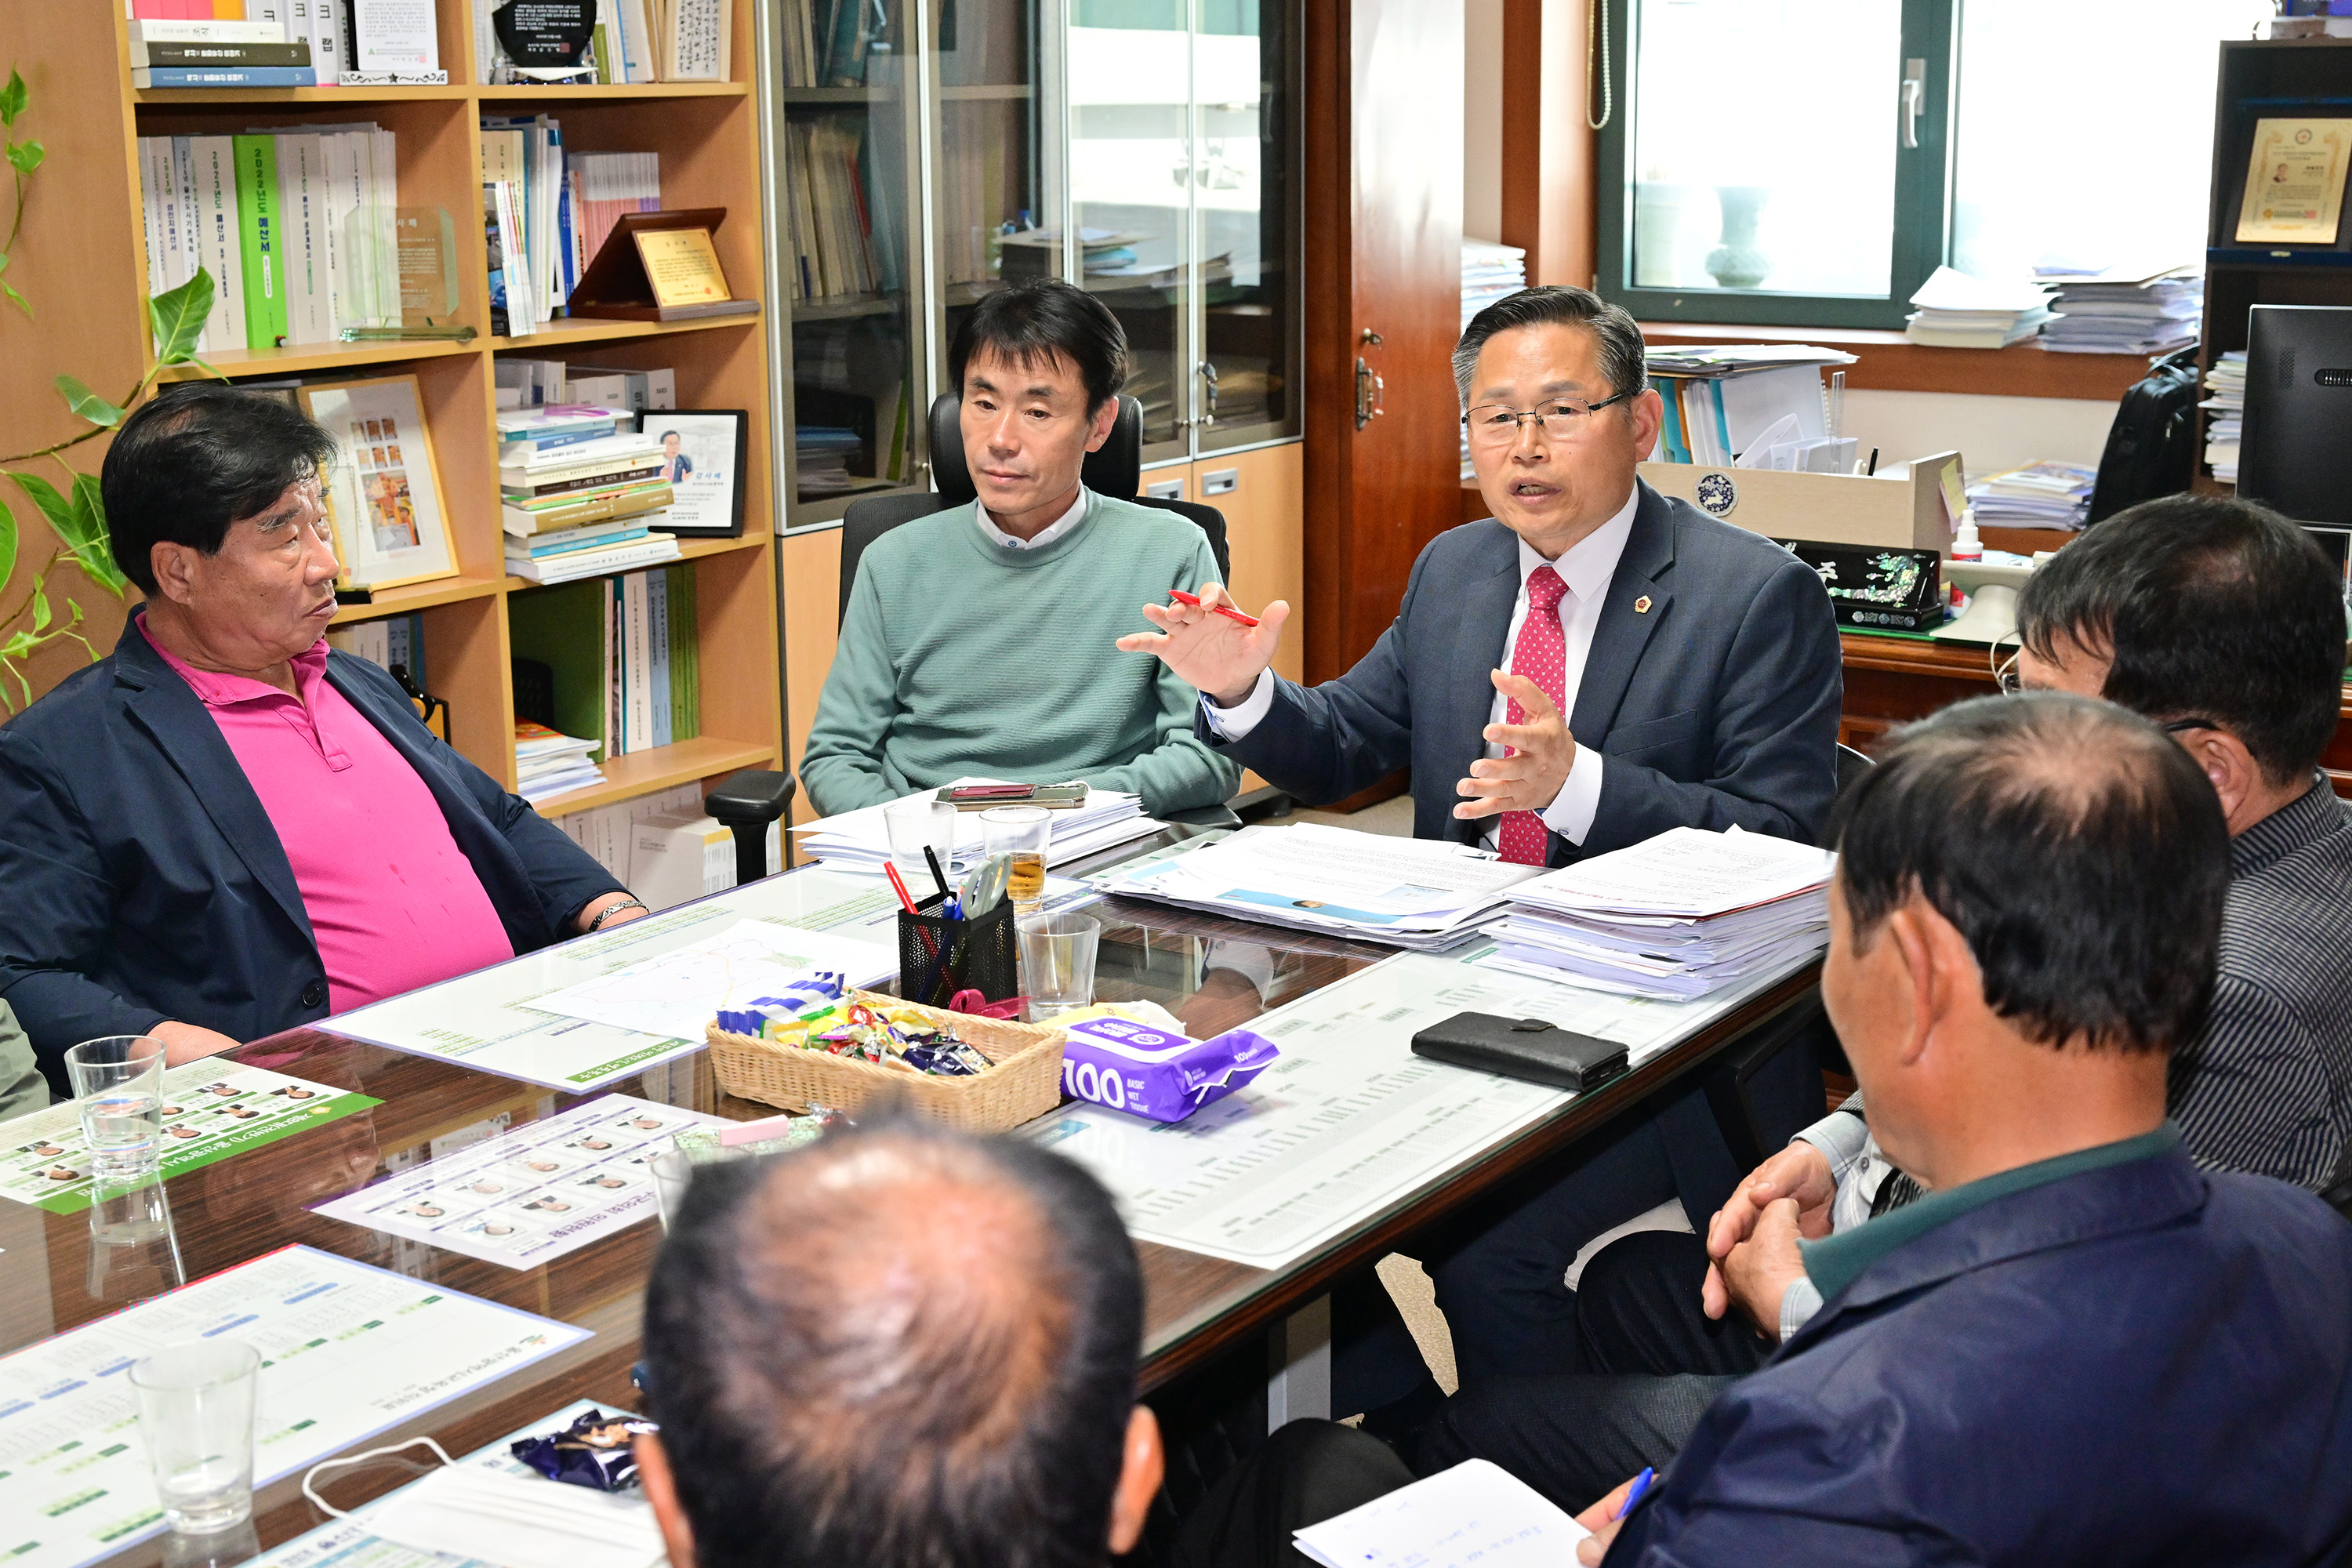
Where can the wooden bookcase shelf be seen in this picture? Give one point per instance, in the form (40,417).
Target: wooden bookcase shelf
(81,261)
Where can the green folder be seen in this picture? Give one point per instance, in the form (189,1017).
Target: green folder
(563,628)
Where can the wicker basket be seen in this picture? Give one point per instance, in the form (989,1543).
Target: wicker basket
(1024,1083)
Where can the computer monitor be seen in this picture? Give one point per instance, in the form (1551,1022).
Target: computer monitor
(2296,454)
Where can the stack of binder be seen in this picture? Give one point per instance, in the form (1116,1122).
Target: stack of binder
(1674,917)
(584,508)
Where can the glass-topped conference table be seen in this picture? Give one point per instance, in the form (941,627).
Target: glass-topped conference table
(1244,1216)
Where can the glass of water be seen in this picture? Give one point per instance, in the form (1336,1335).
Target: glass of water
(1057,961)
(118,1084)
(195,1414)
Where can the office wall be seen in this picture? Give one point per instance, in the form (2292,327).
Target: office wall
(1989,433)
(1481,119)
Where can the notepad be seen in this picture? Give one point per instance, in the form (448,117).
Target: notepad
(1475,1513)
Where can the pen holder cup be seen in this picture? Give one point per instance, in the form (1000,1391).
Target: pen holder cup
(937,958)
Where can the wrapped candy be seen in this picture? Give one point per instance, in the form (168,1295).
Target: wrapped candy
(595,1450)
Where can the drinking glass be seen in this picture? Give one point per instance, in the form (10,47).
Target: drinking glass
(1057,961)
(913,824)
(671,1171)
(195,1412)
(119,1083)
(1023,832)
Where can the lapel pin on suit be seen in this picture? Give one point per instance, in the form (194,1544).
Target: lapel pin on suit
(1642,605)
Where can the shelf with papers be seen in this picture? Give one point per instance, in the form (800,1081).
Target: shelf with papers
(422,595)
(1889,361)
(687,550)
(307,358)
(660,768)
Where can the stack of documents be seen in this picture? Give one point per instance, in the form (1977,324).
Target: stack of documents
(2047,494)
(1760,405)
(1957,311)
(548,763)
(2128,311)
(1489,272)
(1676,916)
(1416,893)
(2226,381)
(857,840)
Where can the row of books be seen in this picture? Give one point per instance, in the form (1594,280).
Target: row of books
(981,179)
(827,42)
(394,640)
(835,250)
(580,494)
(537,383)
(613,662)
(2225,430)
(1759,405)
(629,41)
(285,43)
(298,228)
(546,213)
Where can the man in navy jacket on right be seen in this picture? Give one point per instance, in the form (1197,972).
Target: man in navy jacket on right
(2078,1348)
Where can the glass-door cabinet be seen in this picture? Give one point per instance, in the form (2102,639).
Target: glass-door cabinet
(1144,148)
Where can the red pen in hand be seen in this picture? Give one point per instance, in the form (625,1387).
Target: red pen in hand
(1182,597)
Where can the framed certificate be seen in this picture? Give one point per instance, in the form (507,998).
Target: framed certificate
(2294,182)
(383,492)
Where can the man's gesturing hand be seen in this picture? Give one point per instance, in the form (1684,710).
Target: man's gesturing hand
(1530,778)
(1221,657)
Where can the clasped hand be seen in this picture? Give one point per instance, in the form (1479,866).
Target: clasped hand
(1529,775)
(1207,650)
(1751,1242)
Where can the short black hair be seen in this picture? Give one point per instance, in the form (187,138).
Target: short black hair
(2211,608)
(1046,317)
(197,457)
(2080,852)
(835,1393)
(1624,359)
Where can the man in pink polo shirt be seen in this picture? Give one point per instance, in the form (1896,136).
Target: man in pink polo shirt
(224,828)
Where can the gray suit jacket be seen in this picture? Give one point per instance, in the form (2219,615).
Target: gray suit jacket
(1716,705)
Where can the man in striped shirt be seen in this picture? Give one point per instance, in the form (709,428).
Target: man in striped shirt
(2225,623)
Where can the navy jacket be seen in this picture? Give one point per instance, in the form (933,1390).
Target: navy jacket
(143,882)
(1716,703)
(2141,1364)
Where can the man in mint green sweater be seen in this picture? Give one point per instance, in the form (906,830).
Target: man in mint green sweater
(979,640)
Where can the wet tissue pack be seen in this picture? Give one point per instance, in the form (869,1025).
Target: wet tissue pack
(1157,1073)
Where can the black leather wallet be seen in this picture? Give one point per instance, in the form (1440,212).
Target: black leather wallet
(1522,1048)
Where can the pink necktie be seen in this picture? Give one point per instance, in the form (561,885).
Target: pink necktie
(1541,655)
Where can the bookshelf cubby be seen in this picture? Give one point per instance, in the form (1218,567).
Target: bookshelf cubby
(82,262)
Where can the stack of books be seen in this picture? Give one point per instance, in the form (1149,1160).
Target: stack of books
(271,43)
(2226,381)
(1757,405)
(2129,310)
(836,250)
(538,384)
(549,763)
(1673,917)
(1957,311)
(821,458)
(389,641)
(653,689)
(585,507)
(2047,494)
(180,52)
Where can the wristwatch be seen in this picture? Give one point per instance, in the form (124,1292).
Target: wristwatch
(609,910)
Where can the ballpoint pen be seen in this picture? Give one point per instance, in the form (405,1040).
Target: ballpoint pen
(1640,1484)
(1182,597)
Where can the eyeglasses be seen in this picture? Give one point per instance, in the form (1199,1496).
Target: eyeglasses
(2004,670)
(1562,418)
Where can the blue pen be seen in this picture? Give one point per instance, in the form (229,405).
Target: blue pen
(1640,1484)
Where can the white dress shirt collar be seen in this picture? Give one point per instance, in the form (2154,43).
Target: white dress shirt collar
(1587,566)
(1046,535)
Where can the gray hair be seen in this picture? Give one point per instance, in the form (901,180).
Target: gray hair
(1624,358)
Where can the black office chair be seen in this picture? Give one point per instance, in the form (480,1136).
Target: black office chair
(748,802)
(1116,469)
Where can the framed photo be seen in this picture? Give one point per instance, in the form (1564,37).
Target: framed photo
(390,515)
(703,454)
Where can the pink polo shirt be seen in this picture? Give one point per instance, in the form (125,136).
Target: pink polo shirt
(394,903)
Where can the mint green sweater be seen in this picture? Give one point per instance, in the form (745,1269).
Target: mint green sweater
(960,657)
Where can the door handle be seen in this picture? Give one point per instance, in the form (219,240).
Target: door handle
(1915,100)
(1370,390)
(1209,390)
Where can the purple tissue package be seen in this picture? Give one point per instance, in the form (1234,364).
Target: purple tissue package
(1152,1073)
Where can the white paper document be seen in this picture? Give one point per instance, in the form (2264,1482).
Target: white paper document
(1685,872)
(529,1197)
(347,1350)
(566,1527)
(859,840)
(1349,1122)
(1477,1513)
(1406,892)
(678,993)
(490,1019)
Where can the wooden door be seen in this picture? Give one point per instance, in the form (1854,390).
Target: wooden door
(1383,243)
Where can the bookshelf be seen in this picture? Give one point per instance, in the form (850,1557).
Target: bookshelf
(82,264)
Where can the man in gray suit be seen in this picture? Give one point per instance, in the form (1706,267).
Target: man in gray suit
(1591,667)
